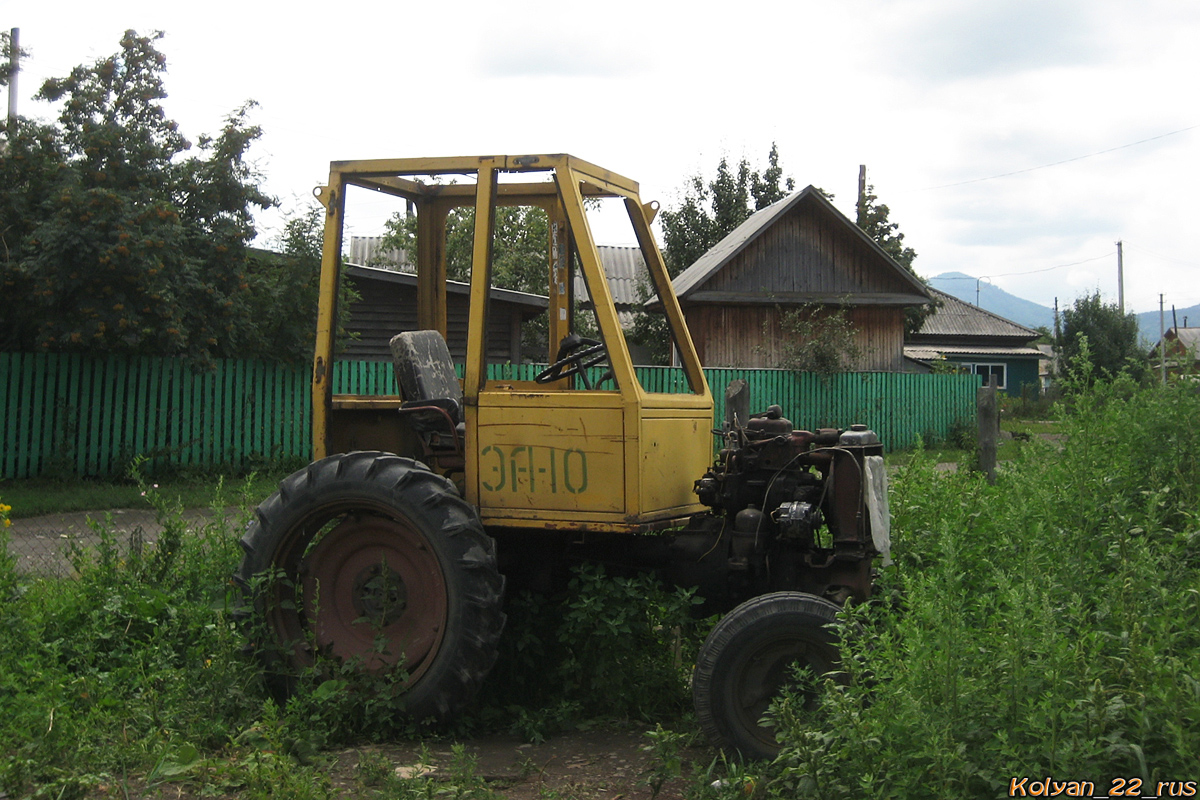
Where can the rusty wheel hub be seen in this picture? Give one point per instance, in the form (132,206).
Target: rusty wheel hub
(372,577)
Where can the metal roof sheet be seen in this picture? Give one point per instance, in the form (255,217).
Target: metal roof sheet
(959,318)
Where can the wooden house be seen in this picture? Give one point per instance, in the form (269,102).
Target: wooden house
(1182,349)
(980,342)
(799,251)
(388,305)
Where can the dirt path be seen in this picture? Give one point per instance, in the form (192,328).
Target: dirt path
(39,543)
(582,765)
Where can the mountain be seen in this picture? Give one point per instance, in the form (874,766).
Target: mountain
(1031,315)
(996,300)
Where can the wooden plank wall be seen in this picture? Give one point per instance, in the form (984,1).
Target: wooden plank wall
(751,336)
(807,252)
(67,414)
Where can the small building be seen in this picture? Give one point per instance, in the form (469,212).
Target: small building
(1182,349)
(980,342)
(388,305)
(799,251)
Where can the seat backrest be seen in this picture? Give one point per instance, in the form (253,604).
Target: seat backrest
(424,369)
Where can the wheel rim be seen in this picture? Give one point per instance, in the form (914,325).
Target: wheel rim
(368,575)
(762,673)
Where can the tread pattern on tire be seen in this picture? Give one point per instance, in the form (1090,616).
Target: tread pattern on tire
(468,556)
(711,685)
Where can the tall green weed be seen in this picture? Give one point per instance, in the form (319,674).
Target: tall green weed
(1045,626)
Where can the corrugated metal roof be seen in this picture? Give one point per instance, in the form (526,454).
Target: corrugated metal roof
(723,251)
(958,318)
(624,267)
(926,352)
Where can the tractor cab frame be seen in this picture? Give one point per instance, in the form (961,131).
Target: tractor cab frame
(553,453)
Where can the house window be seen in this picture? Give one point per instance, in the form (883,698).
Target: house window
(999,371)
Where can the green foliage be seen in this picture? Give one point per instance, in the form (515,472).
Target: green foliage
(1044,626)
(873,217)
(114,241)
(6,52)
(711,210)
(816,338)
(617,647)
(1111,339)
(708,212)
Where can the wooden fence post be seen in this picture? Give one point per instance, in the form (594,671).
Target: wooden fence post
(988,416)
(737,402)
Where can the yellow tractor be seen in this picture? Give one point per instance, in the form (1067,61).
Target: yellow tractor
(420,507)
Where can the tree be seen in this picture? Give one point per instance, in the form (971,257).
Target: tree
(1111,338)
(818,339)
(708,212)
(114,240)
(711,210)
(873,218)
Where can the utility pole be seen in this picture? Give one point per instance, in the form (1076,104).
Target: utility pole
(1162,342)
(14,64)
(1120,277)
(862,194)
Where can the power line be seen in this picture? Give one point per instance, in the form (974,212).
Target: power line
(1028,272)
(1141,249)
(1064,161)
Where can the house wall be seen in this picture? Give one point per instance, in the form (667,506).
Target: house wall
(1021,372)
(387,309)
(751,336)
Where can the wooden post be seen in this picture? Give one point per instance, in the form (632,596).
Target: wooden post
(737,402)
(988,416)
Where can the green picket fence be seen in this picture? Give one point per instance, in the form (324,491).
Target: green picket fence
(68,414)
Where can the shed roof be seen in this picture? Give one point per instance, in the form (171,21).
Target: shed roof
(531,303)
(725,250)
(956,318)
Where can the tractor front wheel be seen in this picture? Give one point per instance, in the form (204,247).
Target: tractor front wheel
(748,659)
(372,557)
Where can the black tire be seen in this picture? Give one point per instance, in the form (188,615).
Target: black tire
(747,659)
(373,537)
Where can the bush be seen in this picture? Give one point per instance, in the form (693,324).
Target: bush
(1044,626)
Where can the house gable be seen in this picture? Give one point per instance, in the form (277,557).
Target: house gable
(799,250)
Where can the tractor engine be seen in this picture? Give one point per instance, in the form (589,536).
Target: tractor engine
(792,510)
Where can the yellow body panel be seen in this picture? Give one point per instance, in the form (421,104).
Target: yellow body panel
(543,452)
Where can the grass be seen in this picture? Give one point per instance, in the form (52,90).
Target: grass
(37,496)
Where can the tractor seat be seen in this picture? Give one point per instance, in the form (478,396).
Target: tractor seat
(425,373)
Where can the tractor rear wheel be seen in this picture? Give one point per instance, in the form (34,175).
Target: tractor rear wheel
(368,547)
(748,659)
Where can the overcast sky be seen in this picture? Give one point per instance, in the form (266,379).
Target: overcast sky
(937,97)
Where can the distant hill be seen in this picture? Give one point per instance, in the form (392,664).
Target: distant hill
(994,299)
(1031,315)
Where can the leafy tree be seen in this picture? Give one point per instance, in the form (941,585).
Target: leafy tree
(873,219)
(285,289)
(1103,336)
(711,210)
(114,240)
(6,57)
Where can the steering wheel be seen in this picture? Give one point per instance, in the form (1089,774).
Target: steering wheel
(576,354)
